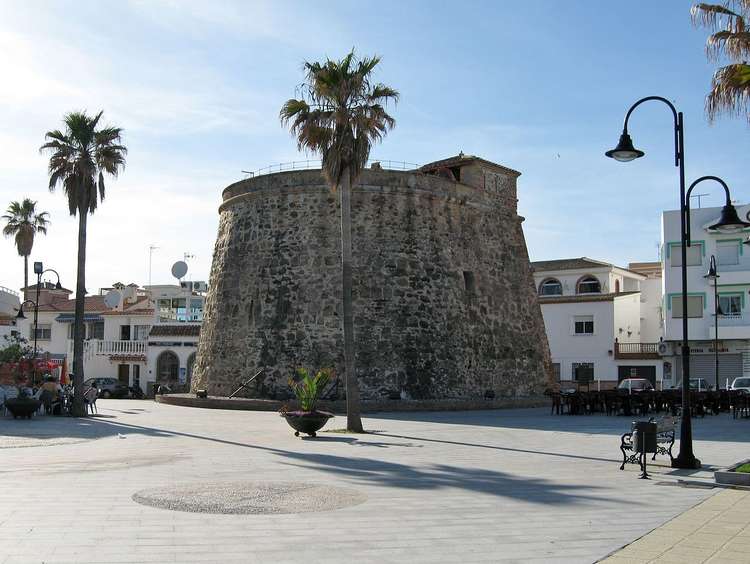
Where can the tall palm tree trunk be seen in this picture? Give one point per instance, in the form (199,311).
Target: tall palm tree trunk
(25,274)
(353,419)
(79,409)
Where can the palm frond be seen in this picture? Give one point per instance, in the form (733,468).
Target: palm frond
(730,92)
(341,113)
(79,158)
(715,15)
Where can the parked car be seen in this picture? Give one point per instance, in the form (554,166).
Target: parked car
(635,385)
(741,384)
(697,385)
(108,387)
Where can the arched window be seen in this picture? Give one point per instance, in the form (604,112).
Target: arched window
(167,367)
(550,287)
(589,285)
(617,286)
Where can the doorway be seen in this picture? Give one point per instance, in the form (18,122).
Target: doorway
(123,374)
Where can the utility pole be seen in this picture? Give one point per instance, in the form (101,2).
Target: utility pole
(151,249)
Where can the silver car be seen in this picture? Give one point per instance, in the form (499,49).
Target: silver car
(741,384)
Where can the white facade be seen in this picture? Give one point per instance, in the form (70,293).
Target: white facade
(9,302)
(118,340)
(733,266)
(599,323)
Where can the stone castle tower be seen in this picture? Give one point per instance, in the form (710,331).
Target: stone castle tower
(444,298)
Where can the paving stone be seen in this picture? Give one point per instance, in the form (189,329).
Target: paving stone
(491,486)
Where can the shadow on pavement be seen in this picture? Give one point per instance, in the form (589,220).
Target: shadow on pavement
(379,472)
(711,428)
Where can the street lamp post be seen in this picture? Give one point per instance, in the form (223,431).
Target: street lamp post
(713,276)
(20,315)
(625,152)
(39,271)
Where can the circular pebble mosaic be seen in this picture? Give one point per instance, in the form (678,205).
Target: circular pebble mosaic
(250,498)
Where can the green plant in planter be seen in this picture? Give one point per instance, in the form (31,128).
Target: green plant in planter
(308,388)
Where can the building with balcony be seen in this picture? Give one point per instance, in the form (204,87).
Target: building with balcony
(603,322)
(118,331)
(733,284)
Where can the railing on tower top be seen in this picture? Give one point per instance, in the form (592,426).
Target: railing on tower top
(9,291)
(316,163)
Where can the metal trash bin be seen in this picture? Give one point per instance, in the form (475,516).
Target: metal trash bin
(644,436)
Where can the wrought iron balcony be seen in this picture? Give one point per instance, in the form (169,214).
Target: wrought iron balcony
(636,351)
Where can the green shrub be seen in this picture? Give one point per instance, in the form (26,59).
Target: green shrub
(308,388)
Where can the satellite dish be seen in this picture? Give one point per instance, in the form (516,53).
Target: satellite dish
(179,269)
(112,299)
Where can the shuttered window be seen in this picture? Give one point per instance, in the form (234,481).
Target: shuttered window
(695,306)
(727,252)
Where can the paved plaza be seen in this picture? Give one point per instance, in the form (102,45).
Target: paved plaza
(483,486)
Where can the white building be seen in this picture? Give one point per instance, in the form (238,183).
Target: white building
(602,321)
(119,323)
(733,266)
(9,302)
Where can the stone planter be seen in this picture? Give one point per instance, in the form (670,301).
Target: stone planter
(306,422)
(22,407)
(729,477)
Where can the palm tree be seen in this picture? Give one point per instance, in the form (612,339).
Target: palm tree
(340,114)
(78,159)
(730,87)
(23,222)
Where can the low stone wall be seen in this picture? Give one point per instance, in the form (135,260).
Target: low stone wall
(339,407)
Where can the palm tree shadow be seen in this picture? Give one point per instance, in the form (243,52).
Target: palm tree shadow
(446,476)
(431,477)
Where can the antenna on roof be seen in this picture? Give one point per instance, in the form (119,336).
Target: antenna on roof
(699,196)
(151,249)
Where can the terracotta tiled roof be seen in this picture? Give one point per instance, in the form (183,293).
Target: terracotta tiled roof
(583,298)
(95,304)
(583,263)
(175,330)
(567,264)
(45,286)
(91,304)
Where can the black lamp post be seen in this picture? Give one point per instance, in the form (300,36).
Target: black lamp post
(625,152)
(20,315)
(713,276)
(39,271)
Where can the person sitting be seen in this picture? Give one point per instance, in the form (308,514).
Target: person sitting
(51,385)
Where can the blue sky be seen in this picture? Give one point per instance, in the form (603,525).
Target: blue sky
(541,87)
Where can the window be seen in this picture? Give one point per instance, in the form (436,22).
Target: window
(694,254)
(43,332)
(583,325)
(731,305)
(141,332)
(695,306)
(727,252)
(589,285)
(96,330)
(583,371)
(550,287)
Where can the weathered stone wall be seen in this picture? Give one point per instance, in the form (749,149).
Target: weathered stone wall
(444,299)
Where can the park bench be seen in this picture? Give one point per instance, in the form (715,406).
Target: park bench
(665,432)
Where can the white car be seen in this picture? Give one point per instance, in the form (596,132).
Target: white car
(741,384)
